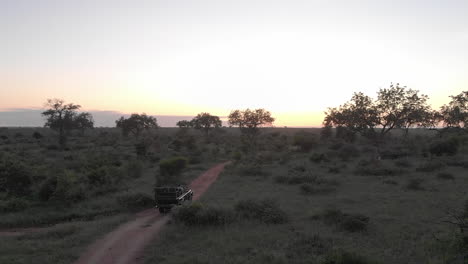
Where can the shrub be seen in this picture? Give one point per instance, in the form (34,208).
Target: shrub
(389,181)
(250,169)
(403,163)
(431,166)
(310,189)
(445,176)
(47,188)
(196,214)
(345,134)
(305,140)
(134,168)
(296,179)
(172,166)
(439,148)
(343,257)
(52,147)
(348,152)
(13,205)
(15,177)
(374,168)
(141,149)
(318,157)
(305,246)
(394,153)
(415,184)
(70,187)
(99,177)
(266,211)
(37,135)
(237,156)
(347,222)
(135,201)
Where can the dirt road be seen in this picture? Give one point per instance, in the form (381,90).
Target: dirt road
(125,244)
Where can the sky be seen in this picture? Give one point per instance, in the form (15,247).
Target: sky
(175,57)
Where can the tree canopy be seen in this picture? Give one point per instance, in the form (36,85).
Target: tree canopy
(64,117)
(206,122)
(136,123)
(395,107)
(249,121)
(455,114)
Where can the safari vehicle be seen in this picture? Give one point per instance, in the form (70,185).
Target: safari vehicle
(169,196)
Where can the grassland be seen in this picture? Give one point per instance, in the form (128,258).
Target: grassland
(103,167)
(291,198)
(343,206)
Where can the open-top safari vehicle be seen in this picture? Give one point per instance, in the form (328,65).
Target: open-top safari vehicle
(169,196)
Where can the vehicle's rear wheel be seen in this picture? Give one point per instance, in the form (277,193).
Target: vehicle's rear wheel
(162,210)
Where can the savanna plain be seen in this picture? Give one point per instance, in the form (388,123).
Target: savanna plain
(295,196)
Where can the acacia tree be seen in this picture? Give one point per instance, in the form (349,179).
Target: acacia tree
(395,107)
(136,123)
(205,122)
(359,115)
(455,114)
(60,117)
(249,122)
(400,107)
(83,121)
(184,124)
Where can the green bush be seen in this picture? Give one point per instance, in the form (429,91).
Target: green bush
(134,168)
(295,179)
(310,189)
(172,166)
(343,257)
(135,201)
(47,188)
(431,166)
(415,184)
(445,176)
(250,169)
(318,157)
(266,211)
(347,222)
(348,152)
(448,147)
(13,204)
(15,178)
(98,177)
(196,214)
(403,163)
(305,140)
(70,187)
(306,246)
(37,135)
(374,168)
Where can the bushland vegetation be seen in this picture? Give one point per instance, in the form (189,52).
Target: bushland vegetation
(380,183)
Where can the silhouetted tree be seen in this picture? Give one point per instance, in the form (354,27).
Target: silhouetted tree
(395,107)
(136,123)
(400,107)
(184,124)
(359,115)
(60,117)
(249,122)
(83,121)
(206,122)
(455,114)
(326,132)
